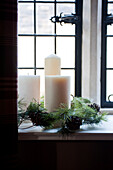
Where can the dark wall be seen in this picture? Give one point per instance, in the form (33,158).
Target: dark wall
(62,155)
(8,84)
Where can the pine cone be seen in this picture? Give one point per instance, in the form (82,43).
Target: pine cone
(73,122)
(95,106)
(41,118)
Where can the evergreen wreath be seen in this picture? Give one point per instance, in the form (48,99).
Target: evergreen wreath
(82,111)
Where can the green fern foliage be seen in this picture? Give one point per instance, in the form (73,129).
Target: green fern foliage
(82,111)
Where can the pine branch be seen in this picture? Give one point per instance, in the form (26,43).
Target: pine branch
(82,111)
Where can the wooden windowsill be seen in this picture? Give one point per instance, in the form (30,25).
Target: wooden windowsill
(102,131)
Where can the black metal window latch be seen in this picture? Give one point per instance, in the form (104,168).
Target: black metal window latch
(66,18)
(109,19)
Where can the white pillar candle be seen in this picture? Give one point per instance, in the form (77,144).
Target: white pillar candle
(52,65)
(29,88)
(57,91)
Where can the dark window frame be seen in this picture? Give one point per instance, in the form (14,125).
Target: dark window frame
(78,40)
(104,103)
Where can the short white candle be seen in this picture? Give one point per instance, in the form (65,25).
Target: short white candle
(52,65)
(29,88)
(57,91)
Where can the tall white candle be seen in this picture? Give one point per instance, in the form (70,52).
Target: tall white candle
(29,88)
(52,65)
(57,91)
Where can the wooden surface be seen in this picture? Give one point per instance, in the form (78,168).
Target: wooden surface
(102,131)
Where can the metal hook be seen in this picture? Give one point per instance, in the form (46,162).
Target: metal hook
(66,18)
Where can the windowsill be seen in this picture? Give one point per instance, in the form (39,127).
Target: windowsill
(103,131)
(108,110)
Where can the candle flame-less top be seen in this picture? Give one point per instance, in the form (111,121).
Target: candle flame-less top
(52,65)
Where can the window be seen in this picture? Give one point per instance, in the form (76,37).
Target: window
(107,55)
(38,37)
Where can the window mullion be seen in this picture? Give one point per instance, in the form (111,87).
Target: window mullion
(55,11)
(34,38)
(78,44)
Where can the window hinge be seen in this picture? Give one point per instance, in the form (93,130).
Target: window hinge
(109,19)
(66,18)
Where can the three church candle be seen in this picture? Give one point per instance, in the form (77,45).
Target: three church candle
(57,87)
